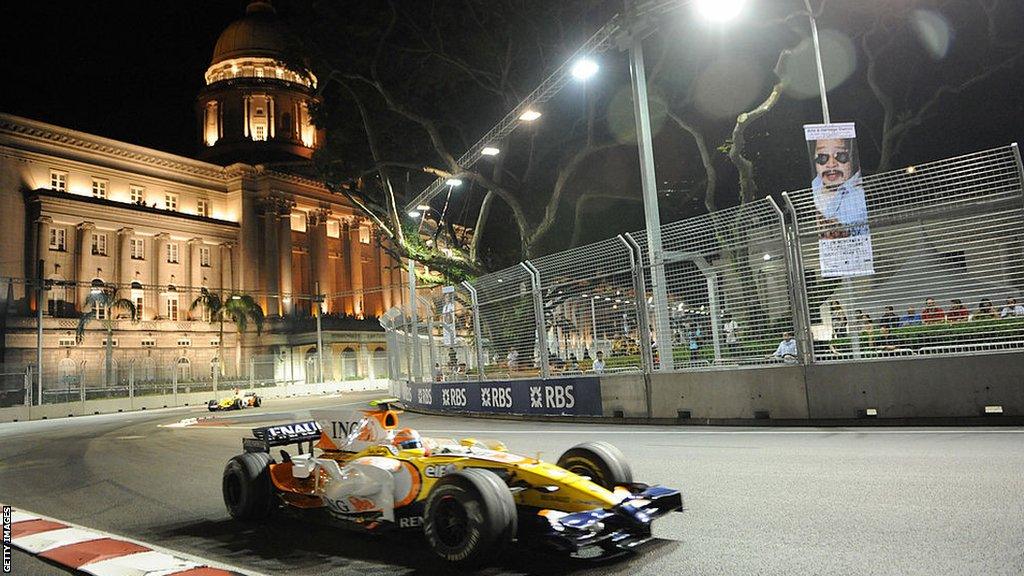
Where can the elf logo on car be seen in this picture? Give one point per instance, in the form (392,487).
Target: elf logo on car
(496,397)
(438,470)
(410,522)
(453,397)
(552,396)
(423,395)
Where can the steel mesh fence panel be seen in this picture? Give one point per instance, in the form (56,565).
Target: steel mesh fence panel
(508,324)
(947,263)
(590,305)
(729,302)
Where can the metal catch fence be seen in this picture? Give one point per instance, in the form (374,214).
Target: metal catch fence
(927,260)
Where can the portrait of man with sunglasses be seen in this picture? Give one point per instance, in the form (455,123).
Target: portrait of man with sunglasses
(838,195)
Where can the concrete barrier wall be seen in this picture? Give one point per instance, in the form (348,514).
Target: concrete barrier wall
(107,406)
(918,388)
(897,388)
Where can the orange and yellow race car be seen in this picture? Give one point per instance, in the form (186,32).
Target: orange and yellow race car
(235,402)
(470,498)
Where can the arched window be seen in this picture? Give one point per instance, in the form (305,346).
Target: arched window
(148,370)
(349,364)
(380,362)
(311,366)
(67,373)
(184,370)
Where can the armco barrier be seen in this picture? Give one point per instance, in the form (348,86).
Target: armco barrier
(113,405)
(561,397)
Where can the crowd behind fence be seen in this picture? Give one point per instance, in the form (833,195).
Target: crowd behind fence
(746,286)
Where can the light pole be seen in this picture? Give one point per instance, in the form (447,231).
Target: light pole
(318,299)
(817,59)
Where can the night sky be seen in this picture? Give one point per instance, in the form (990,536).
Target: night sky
(125,70)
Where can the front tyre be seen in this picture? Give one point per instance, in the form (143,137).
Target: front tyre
(602,462)
(248,492)
(470,516)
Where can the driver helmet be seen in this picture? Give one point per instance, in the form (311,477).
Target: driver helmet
(406,439)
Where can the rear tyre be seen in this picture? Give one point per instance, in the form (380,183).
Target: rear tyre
(248,492)
(257,402)
(602,462)
(238,404)
(470,516)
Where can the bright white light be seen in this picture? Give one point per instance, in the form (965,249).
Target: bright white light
(529,116)
(720,10)
(767,257)
(584,69)
(490,151)
(453,182)
(423,208)
(414,214)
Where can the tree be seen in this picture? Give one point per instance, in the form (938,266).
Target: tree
(212,304)
(109,302)
(242,309)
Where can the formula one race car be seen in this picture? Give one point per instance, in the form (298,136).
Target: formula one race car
(236,402)
(470,497)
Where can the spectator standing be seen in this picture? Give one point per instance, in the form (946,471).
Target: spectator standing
(732,341)
(889,319)
(513,360)
(693,341)
(957,311)
(438,374)
(932,314)
(599,363)
(911,318)
(1012,308)
(985,310)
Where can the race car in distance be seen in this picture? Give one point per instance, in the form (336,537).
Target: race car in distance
(235,402)
(470,498)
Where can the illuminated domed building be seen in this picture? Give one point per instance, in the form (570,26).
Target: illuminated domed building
(256,103)
(86,213)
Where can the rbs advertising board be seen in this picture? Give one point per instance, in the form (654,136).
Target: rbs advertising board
(568,396)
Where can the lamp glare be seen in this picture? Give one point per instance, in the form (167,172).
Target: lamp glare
(719,10)
(584,69)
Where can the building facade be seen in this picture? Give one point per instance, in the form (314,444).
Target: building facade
(87,214)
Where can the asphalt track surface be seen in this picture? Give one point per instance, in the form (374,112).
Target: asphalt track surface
(788,501)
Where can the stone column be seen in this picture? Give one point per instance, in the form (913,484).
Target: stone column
(316,230)
(45,223)
(356,267)
(226,267)
(270,266)
(83,261)
(192,275)
(343,269)
(160,260)
(284,250)
(124,256)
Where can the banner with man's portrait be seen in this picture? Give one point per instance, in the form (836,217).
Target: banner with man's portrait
(844,238)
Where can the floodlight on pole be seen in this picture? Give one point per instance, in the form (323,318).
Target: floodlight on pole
(529,116)
(414,214)
(720,10)
(489,151)
(453,182)
(423,207)
(584,69)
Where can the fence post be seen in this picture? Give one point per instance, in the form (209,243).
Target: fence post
(538,312)
(1020,165)
(431,353)
(414,328)
(216,375)
(800,321)
(640,291)
(174,382)
(131,384)
(252,371)
(477,335)
(807,342)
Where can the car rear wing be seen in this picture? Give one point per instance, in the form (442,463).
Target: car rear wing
(268,437)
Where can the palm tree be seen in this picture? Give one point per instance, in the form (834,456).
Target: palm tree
(241,309)
(108,300)
(212,303)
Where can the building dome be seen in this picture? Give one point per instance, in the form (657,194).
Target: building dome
(259,33)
